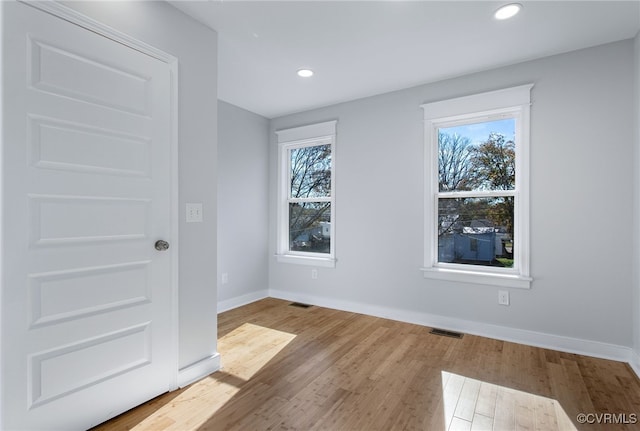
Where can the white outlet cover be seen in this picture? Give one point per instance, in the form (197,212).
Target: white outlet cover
(194,213)
(503,297)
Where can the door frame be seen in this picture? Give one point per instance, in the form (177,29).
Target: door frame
(79,19)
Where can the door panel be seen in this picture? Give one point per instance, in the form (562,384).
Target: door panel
(70,294)
(86,299)
(50,65)
(69,146)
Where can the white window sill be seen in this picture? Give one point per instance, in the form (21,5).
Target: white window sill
(326,262)
(478,277)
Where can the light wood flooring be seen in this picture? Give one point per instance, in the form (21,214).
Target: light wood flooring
(290,368)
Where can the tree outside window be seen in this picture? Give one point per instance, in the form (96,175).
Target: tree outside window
(309,199)
(477,188)
(306,184)
(476,180)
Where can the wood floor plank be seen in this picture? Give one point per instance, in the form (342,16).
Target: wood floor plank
(466,407)
(421,402)
(486,404)
(458,424)
(545,415)
(481,423)
(505,413)
(289,368)
(525,411)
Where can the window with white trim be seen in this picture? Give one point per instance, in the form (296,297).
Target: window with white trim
(477,188)
(306,210)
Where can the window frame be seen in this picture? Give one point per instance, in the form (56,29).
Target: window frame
(290,139)
(507,103)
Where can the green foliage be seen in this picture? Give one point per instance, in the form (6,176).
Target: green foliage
(493,164)
(507,263)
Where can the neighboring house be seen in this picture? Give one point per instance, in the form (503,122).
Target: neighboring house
(480,241)
(314,238)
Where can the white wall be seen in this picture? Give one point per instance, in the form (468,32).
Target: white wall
(581,210)
(243,205)
(636,211)
(195,46)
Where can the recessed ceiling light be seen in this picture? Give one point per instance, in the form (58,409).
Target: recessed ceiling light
(305,73)
(508,11)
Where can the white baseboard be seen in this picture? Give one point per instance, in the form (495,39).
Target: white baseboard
(238,301)
(199,370)
(634,363)
(531,338)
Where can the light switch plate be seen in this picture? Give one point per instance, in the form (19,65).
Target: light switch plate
(194,213)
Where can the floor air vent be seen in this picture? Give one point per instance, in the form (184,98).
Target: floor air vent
(299,305)
(445,333)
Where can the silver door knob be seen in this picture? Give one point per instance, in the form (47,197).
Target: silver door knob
(161,245)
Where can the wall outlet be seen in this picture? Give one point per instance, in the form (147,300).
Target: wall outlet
(224,278)
(503,297)
(314,274)
(194,213)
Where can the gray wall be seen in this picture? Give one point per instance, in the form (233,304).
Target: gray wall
(582,140)
(243,194)
(195,46)
(636,213)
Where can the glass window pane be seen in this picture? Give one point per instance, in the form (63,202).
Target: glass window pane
(311,172)
(477,156)
(310,227)
(476,231)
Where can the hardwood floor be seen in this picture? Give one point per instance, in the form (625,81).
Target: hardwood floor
(291,368)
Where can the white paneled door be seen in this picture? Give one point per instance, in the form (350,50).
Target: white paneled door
(87,313)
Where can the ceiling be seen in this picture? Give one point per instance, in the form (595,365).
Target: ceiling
(362,48)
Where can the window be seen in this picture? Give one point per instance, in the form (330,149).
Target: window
(306,210)
(477,188)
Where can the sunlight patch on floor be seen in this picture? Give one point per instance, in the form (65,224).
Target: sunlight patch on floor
(478,405)
(243,351)
(248,348)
